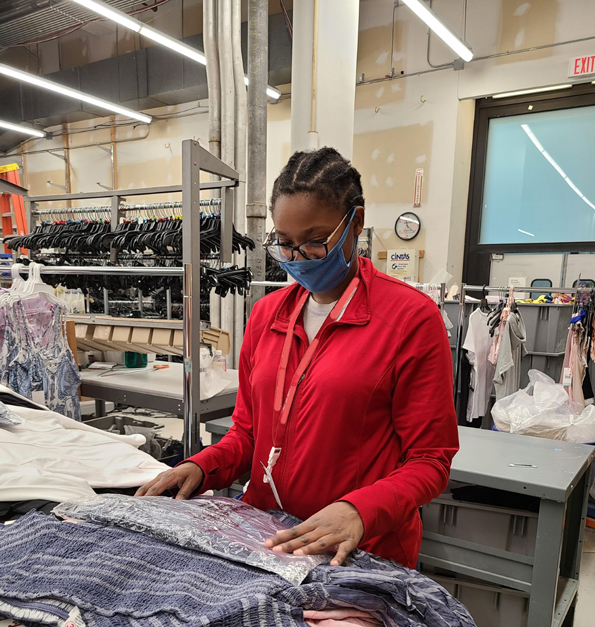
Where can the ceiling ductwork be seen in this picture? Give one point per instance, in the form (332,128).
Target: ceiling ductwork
(33,21)
(145,79)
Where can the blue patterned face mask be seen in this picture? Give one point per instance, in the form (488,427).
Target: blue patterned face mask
(323,275)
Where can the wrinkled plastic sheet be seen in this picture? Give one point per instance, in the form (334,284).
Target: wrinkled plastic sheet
(216,525)
(544,409)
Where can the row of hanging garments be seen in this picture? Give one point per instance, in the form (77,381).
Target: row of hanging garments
(494,346)
(580,350)
(34,352)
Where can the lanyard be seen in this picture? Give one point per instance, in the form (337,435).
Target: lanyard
(281,410)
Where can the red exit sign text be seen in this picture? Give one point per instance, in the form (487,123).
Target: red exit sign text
(581,66)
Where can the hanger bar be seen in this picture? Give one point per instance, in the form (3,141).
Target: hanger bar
(47,212)
(528,288)
(110,270)
(212,202)
(123,271)
(145,191)
(270,283)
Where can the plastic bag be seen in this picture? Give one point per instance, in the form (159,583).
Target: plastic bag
(544,409)
(219,526)
(212,380)
(8,417)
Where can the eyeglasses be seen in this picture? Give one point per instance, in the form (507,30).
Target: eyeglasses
(309,250)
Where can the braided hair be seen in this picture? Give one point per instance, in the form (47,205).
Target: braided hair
(324,173)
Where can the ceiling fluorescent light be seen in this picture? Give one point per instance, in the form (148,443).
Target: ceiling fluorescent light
(428,16)
(537,90)
(525,232)
(154,35)
(71,93)
(173,44)
(21,129)
(112,14)
(273,93)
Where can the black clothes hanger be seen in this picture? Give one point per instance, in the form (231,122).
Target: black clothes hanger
(483,305)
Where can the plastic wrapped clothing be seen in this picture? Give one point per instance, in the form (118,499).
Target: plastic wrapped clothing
(544,409)
(217,525)
(113,577)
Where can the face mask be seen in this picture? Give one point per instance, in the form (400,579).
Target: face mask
(323,275)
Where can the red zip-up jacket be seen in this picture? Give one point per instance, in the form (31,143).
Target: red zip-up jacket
(373,422)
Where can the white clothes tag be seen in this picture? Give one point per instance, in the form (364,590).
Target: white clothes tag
(38,397)
(268,472)
(567,380)
(273,457)
(268,478)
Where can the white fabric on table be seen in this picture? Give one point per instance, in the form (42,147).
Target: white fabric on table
(50,454)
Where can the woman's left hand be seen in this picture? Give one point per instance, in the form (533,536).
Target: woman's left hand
(337,527)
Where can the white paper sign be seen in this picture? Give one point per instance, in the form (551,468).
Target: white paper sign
(419,180)
(403,264)
(517,281)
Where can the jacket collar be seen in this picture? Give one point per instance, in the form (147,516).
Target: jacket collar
(357,312)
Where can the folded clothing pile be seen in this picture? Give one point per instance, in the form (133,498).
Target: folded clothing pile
(48,456)
(92,575)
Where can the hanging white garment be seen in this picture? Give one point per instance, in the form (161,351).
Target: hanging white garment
(477,344)
(47,449)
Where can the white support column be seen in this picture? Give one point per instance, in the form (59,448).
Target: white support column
(330,122)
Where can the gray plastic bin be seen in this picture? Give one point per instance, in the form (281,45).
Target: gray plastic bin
(552,366)
(489,605)
(498,527)
(547,327)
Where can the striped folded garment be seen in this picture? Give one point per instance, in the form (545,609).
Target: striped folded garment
(87,575)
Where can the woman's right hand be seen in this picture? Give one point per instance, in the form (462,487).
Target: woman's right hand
(187,478)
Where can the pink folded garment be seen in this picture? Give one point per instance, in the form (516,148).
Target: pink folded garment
(340,618)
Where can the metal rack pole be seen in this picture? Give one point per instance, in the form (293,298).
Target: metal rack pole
(458,346)
(514,288)
(191,258)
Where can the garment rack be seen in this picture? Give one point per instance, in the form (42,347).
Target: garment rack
(194,160)
(511,289)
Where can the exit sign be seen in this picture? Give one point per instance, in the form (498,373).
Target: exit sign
(581,66)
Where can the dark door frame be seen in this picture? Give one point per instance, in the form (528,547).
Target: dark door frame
(477,257)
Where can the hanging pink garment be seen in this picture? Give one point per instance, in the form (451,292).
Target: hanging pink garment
(495,349)
(575,358)
(340,618)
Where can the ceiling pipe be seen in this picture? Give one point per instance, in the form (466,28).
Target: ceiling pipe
(224,23)
(256,206)
(241,115)
(313,133)
(210,42)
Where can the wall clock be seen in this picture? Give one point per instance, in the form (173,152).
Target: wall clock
(407,226)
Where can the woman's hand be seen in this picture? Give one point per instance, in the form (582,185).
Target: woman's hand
(337,527)
(187,477)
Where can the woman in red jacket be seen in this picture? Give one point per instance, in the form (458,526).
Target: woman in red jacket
(344,413)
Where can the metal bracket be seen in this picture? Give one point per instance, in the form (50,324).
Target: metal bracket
(458,65)
(57,184)
(109,189)
(62,157)
(107,150)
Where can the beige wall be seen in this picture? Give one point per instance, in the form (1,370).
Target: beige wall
(424,120)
